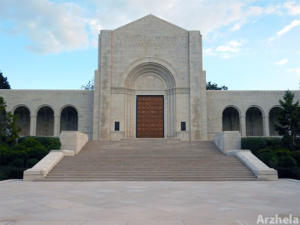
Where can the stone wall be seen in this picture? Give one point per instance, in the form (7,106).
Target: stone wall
(217,101)
(57,100)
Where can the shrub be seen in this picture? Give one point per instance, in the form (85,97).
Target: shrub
(18,162)
(29,150)
(296,156)
(253,144)
(282,152)
(11,172)
(289,173)
(3,174)
(7,156)
(256,143)
(50,143)
(268,158)
(31,162)
(286,162)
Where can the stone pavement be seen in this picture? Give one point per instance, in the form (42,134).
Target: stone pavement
(146,203)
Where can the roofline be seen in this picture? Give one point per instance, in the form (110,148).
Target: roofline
(154,17)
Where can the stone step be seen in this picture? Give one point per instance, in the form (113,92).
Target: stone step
(149,160)
(151,173)
(156,179)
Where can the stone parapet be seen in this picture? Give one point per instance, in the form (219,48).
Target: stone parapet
(71,144)
(229,143)
(259,169)
(73,140)
(44,166)
(228,140)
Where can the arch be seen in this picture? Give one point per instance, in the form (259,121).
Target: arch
(254,121)
(149,81)
(150,77)
(231,119)
(45,121)
(152,68)
(69,119)
(273,120)
(22,114)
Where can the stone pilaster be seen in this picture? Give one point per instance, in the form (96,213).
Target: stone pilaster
(197,77)
(96,109)
(243,125)
(266,126)
(105,70)
(56,125)
(33,125)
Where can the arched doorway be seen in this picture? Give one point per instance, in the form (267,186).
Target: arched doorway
(69,119)
(230,119)
(22,115)
(150,79)
(273,120)
(45,122)
(254,122)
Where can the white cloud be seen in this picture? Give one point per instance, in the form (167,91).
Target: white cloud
(50,27)
(232,46)
(228,50)
(294,70)
(55,26)
(209,51)
(292,8)
(286,29)
(282,62)
(237,26)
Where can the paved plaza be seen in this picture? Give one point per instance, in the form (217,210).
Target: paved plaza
(143,203)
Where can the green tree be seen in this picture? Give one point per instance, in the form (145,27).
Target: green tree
(214,86)
(8,128)
(288,119)
(3,82)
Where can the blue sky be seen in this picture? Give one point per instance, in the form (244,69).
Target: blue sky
(248,45)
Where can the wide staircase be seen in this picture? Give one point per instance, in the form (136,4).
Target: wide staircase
(150,160)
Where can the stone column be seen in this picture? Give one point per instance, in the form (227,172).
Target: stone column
(243,125)
(33,125)
(56,125)
(266,126)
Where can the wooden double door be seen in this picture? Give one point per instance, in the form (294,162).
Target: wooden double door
(150,116)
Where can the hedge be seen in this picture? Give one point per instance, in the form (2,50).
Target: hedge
(272,153)
(50,143)
(256,143)
(23,155)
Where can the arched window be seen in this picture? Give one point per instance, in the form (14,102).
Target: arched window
(254,122)
(231,119)
(273,120)
(45,122)
(69,119)
(22,115)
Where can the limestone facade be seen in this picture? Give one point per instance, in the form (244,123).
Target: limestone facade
(146,57)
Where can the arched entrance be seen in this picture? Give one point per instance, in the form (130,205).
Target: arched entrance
(150,101)
(45,122)
(231,119)
(69,119)
(254,122)
(23,120)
